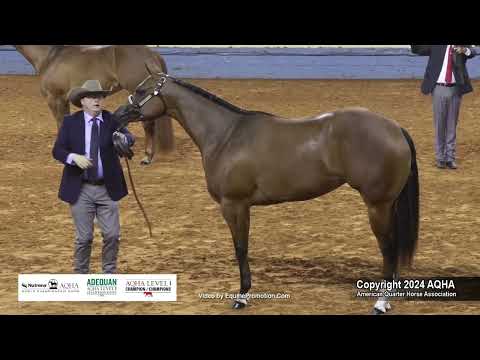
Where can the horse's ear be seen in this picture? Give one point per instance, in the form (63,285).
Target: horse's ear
(153,66)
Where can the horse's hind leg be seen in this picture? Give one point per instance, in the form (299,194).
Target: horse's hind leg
(237,216)
(381,222)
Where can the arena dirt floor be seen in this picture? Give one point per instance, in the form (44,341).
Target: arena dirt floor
(312,251)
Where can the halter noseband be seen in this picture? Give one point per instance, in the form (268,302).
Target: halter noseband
(146,99)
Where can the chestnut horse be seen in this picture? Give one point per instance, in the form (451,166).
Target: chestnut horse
(117,67)
(254,158)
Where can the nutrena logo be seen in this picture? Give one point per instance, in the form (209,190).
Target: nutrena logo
(100,282)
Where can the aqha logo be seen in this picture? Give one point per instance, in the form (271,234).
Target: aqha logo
(69,286)
(53,284)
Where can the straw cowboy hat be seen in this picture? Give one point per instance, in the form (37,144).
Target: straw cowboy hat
(89,88)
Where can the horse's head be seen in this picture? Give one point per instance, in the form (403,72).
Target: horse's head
(146,102)
(126,114)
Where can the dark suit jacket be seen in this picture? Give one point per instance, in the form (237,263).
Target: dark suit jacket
(435,63)
(71,139)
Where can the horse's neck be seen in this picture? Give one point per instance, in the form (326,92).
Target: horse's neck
(35,54)
(209,124)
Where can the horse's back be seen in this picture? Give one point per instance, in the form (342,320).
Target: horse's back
(115,66)
(73,65)
(362,124)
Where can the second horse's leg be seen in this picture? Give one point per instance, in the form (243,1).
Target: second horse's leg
(59,108)
(164,137)
(158,138)
(149,127)
(237,216)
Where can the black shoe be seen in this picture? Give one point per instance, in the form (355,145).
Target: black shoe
(441,164)
(452,165)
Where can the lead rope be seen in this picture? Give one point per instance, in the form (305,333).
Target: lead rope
(138,201)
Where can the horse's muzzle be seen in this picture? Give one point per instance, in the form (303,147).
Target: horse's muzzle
(126,114)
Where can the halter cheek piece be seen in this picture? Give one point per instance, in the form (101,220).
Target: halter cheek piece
(146,99)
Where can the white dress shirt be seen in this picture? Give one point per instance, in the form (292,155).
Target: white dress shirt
(442,79)
(88,132)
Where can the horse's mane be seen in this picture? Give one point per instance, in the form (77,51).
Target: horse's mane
(215,99)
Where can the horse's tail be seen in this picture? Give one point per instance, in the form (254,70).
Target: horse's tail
(406,212)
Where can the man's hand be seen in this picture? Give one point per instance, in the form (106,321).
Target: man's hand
(120,143)
(81,161)
(461,50)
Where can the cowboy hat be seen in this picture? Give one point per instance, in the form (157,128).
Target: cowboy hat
(89,88)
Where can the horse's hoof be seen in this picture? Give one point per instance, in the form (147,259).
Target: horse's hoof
(237,305)
(377,312)
(146,161)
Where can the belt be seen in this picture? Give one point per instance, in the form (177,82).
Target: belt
(446,85)
(94,182)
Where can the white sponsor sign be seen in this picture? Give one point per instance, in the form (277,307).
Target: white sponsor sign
(97,287)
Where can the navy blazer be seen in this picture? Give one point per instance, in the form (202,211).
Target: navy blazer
(436,55)
(71,139)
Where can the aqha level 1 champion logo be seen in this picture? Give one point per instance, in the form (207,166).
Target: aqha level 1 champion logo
(148,287)
(101,286)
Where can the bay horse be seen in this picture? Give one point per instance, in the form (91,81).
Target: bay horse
(254,158)
(117,67)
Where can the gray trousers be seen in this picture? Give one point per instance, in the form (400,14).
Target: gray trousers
(446,109)
(95,201)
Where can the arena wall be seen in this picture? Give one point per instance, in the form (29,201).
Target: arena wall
(276,62)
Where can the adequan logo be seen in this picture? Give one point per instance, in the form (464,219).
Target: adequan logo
(101,286)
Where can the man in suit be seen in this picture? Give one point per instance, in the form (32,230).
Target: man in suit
(92,181)
(446,78)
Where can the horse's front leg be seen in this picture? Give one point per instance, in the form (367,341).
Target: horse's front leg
(237,216)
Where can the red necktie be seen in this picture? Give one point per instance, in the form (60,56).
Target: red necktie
(448,77)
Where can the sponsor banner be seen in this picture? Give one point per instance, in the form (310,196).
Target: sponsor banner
(97,287)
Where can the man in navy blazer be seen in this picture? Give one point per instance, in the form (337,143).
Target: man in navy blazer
(93,180)
(447,79)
